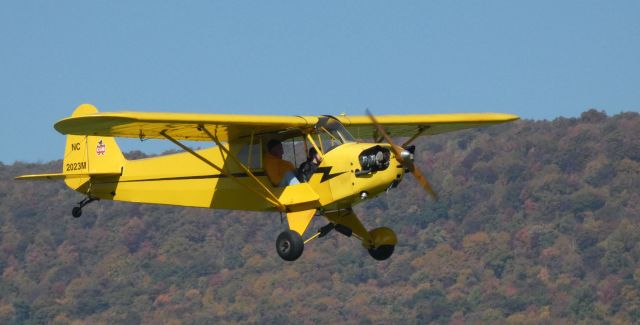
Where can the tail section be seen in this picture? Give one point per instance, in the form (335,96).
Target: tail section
(86,156)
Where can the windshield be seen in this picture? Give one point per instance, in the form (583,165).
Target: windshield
(333,129)
(331,133)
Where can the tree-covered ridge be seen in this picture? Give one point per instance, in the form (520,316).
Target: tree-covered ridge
(537,222)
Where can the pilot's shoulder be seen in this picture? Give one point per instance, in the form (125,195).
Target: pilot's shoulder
(288,164)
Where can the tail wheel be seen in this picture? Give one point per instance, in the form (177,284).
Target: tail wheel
(384,241)
(382,253)
(289,245)
(76,212)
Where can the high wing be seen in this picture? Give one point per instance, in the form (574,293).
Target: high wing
(226,127)
(181,126)
(423,124)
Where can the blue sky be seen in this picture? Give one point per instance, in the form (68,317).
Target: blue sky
(537,59)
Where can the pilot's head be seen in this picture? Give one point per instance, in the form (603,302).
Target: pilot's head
(275,148)
(314,156)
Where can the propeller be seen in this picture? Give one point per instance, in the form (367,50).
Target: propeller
(405,157)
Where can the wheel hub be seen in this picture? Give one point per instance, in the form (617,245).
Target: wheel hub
(285,246)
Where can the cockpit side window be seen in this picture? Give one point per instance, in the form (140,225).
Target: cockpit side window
(251,155)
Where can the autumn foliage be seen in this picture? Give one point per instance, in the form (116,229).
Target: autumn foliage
(538,222)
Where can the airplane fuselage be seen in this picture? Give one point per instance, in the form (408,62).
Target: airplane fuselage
(182,179)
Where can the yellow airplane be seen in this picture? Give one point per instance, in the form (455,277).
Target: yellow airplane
(237,173)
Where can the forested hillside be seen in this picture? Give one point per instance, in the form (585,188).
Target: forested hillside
(537,222)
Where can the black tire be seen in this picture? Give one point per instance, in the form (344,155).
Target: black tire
(289,245)
(382,253)
(76,212)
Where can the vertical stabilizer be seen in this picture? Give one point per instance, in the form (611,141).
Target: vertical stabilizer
(87,155)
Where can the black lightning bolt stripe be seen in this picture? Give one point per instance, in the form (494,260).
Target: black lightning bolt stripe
(325,171)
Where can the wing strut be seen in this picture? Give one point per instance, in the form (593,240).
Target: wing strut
(314,145)
(272,200)
(421,130)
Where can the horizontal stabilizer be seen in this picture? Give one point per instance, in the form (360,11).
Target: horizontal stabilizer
(61,176)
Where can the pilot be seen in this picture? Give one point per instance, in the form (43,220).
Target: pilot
(307,168)
(279,171)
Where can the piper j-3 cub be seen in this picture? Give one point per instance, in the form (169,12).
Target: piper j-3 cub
(233,174)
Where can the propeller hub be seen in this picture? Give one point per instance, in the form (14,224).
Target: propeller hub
(406,155)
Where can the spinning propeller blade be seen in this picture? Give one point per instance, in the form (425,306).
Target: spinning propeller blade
(404,157)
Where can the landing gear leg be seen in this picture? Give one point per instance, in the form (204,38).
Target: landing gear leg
(76,212)
(289,244)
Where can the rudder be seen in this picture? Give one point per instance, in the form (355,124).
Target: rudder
(85,154)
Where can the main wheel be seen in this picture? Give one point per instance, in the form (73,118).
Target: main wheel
(385,241)
(289,245)
(76,212)
(382,253)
